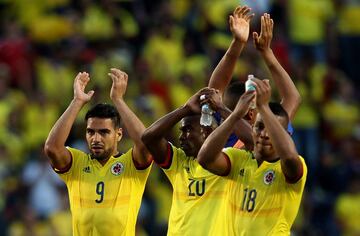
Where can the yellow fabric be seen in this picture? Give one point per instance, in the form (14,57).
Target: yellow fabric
(349,16)
(317,75)
(179,94)
(197,198)
(101,202)
(348,214)
(165,56)
(55,80)
(97,24)
(41,21)
(36,115)
(217,11)
(50,28)
(342,116)
(220,40)
(39,228)
(197,65)
(129,26)
(61,223)
(256,206)
(307,20)
(179,9)
(306,116)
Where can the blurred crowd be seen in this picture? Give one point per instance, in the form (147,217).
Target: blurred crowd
(169,49)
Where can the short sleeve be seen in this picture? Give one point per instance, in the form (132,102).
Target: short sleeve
(237,158)
(177,159)
(76,158)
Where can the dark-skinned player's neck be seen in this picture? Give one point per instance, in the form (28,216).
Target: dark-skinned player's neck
(196,154)
(260,158)
(192,156)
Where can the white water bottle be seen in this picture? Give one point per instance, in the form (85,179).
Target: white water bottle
(206,115)
(249,84)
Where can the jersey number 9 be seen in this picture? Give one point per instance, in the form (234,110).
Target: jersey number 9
(100,189)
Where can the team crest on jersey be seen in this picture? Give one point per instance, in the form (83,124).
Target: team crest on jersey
(269,177)
(117,168)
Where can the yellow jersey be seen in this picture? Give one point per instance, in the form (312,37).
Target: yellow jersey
(260,200)
(104,200)
(198,196)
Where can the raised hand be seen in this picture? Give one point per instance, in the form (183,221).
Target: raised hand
(119,85)
(194,102)
(243,105)
(213,98)
(262,42)
(80,82)
(263,91)
(239,23)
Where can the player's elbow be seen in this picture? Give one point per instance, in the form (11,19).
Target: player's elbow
(201,158)
(50,149)
(298,100)
(146,137)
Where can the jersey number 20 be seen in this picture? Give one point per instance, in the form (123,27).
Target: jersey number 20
(196,187)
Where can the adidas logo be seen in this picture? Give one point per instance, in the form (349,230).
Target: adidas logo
(87,169)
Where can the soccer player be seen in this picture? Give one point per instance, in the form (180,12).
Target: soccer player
(264,186)
(105,186)
(222,74)
(197,193)
(239,23)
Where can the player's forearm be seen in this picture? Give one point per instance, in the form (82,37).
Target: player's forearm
(290,95)
(224,112)
(216,141)
(61,129)
(282,142)
(222,74)
(161,127)
(132,123)
(242,130)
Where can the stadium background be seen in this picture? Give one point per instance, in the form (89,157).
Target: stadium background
(169,49)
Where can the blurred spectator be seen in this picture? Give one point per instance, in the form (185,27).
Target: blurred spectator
(15,52)
(347,214)
(60,220)
(349,38)
(341,112)
(43,183)
(307,121)
(308,21)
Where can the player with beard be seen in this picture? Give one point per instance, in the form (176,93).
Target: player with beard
(105,187)
(264,186)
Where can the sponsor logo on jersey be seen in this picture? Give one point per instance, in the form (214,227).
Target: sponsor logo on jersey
(269,177)
(87,169)
(117,168)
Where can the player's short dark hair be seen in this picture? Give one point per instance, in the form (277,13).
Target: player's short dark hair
(104,110)
(236,88)
(233,92)
(278,110)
